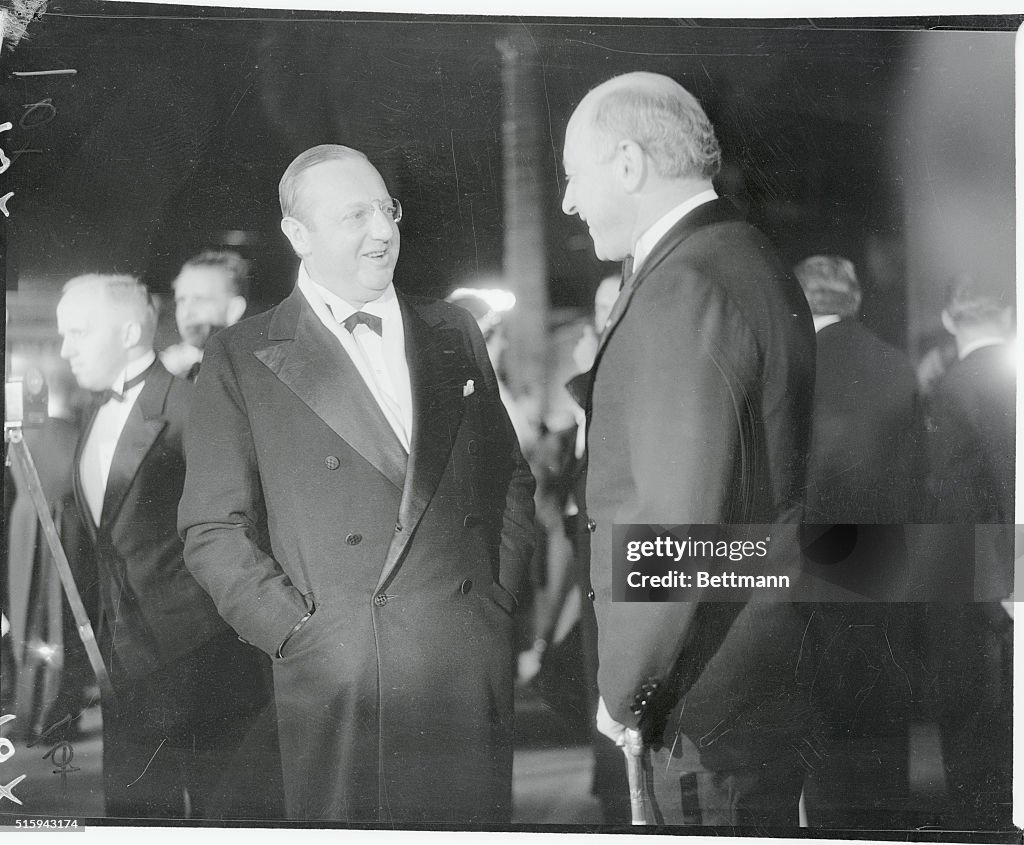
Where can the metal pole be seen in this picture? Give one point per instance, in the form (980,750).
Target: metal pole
(15,437)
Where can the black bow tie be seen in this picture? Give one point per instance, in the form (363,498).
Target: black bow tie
(105,396)
(370,320)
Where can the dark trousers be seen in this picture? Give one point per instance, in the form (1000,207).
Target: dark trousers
(195,739)
(684,793)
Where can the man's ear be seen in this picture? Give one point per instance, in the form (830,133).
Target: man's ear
(236,308)
(631,166)
(947,323)
(295,231)
(131,334)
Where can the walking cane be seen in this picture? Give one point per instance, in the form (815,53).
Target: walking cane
(633,748)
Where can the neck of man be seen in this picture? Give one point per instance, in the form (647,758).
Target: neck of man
(969,338)
(659,196)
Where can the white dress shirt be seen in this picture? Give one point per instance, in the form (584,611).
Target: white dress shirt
(647,241)
(107,426)
(822,321)
(379,360)
(980,343)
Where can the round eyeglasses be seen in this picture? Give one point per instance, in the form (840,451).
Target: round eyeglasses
(361,215)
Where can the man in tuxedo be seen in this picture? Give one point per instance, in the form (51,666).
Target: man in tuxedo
(185,688)
(971,475)
(864,467)
(209,293)
(864,464)
(357,506)
(698,412)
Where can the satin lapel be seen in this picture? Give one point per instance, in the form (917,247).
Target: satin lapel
(83,507)
(144,425)
(438,371)
(315,367)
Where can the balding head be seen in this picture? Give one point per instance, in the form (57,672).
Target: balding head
(657,113)
(637,146)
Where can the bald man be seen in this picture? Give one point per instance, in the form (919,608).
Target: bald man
(698,411)
(186,688)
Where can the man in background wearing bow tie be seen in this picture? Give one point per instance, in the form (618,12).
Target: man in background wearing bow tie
(357,505)
(186,690)
(698,411)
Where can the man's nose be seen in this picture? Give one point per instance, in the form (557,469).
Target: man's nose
(381,225)
(568,203)
(65,349)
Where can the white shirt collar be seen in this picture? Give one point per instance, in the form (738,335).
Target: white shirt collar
(980,343)
(823,320)
(647,241)
(325,303)
(135,367)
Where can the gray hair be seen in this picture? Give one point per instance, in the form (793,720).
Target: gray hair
(830,285)
(127,293)
(969,302)
(663,118)
(289,188)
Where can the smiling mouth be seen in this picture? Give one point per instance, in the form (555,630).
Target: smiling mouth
(377,255)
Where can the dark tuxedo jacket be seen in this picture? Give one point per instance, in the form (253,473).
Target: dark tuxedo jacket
(699,412)
(972,462)
(972,441)
(864,463)
(395,699)
(152,610)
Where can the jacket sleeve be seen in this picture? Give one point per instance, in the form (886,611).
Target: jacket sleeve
(222,516)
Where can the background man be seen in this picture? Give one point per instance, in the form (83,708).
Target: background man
(864,467)
(971,476)
(209,293)
(186,688)
(358,507)
(699,412)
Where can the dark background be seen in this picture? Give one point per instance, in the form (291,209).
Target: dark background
(175,129)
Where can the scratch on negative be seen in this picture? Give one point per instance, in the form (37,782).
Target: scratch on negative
(800,655)
(896,663)
(150,763)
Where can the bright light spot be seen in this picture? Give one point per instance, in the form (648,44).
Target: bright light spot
(497,299)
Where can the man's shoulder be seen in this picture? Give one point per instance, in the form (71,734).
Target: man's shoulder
(435,310)
(849,337)
(246,335)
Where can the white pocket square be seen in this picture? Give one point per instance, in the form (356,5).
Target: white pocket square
(468,388)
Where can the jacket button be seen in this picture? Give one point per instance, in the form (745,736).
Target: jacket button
(398,527)
(473,447)
(380,599)
(331,462)
(591,526)
(354,539)
(465,586)
(591,595)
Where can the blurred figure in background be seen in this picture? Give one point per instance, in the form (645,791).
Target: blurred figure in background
(186,688)
(863,467)
(209,293)
(863,464)
(488,307)
(971,450)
